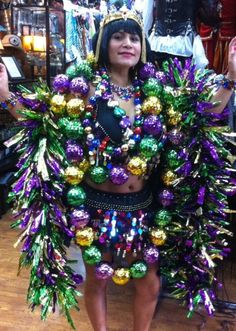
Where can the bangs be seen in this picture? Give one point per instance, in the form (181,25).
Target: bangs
(128,26)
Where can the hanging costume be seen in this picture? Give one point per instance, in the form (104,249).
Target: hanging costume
(62,142)
(174,30)
(216,40)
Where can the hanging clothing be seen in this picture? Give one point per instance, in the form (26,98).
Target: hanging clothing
(175,30)
(216,40)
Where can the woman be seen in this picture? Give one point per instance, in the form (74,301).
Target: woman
(113,144)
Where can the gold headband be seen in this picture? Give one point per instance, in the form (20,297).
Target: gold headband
(122,14)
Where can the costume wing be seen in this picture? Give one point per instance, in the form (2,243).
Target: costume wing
(197,178)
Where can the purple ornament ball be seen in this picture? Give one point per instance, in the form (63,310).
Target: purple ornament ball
(61,83)
(104,270)
(74,152)
(175,136)
(147,71)
(166,198)
(79,218)
(118,175)
(152,125)
(151,254)
(79,86)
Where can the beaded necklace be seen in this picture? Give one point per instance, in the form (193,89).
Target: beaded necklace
(138,145)
(125,93)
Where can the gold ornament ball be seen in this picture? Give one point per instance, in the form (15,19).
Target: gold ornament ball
(158,236)
(152,105)
(171,111)
(121,276)
(137,166)
(58,104)
(175,119)
(84,165)
(168,178)
(73,175)
(75,107)
(84,237)
(90,58)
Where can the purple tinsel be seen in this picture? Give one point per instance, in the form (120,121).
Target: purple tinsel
(147,71)
(201,195)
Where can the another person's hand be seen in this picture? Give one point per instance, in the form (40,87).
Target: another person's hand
(4,89)
(232,60)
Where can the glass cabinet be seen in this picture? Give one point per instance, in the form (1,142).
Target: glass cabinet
(41,27)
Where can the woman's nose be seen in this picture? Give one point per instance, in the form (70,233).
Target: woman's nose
(127,42)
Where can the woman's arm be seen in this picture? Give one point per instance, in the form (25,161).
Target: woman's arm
(224,93)
(7,99)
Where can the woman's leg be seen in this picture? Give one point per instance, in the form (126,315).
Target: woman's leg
(95,299)
(145,300)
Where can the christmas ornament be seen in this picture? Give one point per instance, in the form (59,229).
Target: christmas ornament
(73,175)
(98,174)
(137,166)
(121,276)
(138,269)
(91,255)
(162,218)
(76,196)
(75,107)
(79,218)
(157,236)
(84,236)
(61,83)
(151,255)
(104,270)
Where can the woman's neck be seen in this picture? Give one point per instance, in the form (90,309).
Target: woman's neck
(120,77)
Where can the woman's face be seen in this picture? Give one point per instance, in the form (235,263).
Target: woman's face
(124,49)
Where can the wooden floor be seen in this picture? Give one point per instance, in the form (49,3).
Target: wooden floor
(170,316)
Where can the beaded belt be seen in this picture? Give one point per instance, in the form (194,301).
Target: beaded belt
(117,201)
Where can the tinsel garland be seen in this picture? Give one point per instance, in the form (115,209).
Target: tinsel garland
(39,209)
(196,175)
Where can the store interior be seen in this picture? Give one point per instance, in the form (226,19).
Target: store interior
(39,40)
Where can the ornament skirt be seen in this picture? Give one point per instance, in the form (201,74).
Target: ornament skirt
(119,224)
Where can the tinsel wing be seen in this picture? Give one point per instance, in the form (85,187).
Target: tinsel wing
(39,207)
(197,178)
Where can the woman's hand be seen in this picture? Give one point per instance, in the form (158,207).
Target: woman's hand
(4,89)
(232,60)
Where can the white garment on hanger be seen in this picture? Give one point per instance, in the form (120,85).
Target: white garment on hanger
(145,7)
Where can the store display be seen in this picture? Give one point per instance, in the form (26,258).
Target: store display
(41,27)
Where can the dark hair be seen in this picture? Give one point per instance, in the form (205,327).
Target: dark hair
(129,26)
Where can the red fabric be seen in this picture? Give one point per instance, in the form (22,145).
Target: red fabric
(216,41)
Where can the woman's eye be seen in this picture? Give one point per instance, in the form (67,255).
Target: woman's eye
(116,36)
(135,38)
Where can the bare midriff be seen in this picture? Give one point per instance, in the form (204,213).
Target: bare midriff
(133,184)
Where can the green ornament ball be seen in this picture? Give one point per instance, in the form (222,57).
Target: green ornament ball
(172,159)
(73,130)
(148,147)
(71,71)
(98,174)
(152,87)
(92,255)
(162,218)
(76,196)
(138,269)
(63,122)
(84,69)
